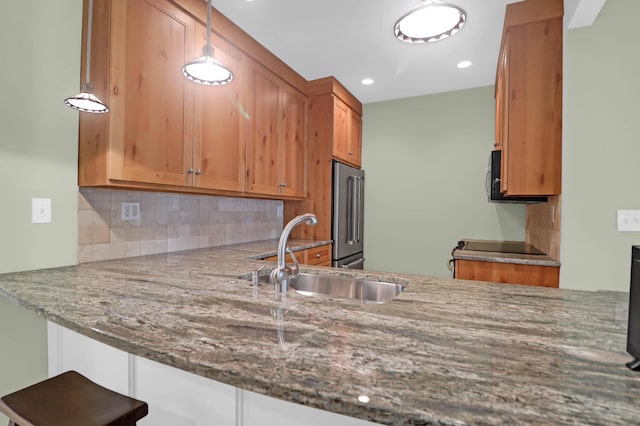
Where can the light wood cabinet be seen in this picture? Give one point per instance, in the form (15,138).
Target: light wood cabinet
(219,153)
(508,273)
(334,120)
(347,133)
(276,135)
(147,135)
(164,132)
(529,98)
(318,256)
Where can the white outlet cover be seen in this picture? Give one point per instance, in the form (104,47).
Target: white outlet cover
(130,211)
(629,220)
(41,210)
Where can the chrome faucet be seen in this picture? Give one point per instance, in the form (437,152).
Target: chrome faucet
(282,274)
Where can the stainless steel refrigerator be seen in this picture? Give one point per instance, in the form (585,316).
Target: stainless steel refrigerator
(347,219)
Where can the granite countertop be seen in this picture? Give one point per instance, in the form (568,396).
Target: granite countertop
(444,352)
(500,257)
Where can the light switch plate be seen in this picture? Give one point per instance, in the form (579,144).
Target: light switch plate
(629,220)
(41,210)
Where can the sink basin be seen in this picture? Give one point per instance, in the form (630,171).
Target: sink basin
(352,288)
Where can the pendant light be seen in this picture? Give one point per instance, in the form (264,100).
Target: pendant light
(431,20)
(86,101)
(206,69)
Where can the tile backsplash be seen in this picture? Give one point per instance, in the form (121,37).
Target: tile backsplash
(168,222)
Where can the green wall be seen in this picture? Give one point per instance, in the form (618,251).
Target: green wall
(601,148)
(425,160)
(40,43)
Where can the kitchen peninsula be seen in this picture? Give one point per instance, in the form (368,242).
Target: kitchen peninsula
(443,352)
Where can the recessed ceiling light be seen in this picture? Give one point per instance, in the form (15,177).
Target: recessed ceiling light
(464,64)
(367,81)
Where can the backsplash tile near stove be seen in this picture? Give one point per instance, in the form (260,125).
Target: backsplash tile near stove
(168,222)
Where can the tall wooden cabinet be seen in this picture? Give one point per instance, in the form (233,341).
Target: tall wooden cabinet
(335,129)
(165,132)
(529,98)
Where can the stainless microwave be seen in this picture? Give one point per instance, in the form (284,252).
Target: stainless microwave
(492,185)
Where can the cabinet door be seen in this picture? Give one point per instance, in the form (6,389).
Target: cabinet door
(151,118)
(340,129)
(504,117)
(263,131)
(354,153)
(219,143)
(294,138)
(534,140)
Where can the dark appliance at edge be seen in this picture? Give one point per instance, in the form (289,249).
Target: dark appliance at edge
(492,185)
(347,219)
(633,330)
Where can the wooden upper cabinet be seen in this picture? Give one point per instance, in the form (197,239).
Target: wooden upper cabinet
(294,137)
(347,133)
(529,109)
(219,116)
(165,132)
(151,119)
(276,135)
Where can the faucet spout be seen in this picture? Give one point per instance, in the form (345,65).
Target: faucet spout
(281,275)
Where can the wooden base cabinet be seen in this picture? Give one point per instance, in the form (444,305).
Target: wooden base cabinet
(318,256)
(176,397)
(508,273)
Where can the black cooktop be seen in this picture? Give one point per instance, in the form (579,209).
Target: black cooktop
(519,247)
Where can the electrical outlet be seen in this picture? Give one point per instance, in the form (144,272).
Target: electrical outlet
(130,211)
(41,210)
(628,220)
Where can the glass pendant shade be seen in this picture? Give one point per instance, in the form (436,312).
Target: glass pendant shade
(432,20)
(207,70)
(86,101)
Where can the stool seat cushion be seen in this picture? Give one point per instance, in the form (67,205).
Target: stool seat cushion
(70,399)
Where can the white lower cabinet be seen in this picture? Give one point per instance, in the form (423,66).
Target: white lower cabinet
(176,397)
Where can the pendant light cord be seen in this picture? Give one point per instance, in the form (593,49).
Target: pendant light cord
(208,23)
(88,56)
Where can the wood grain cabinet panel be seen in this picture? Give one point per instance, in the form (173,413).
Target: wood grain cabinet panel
(529,98)
(164,132)
(318,256)
(508,273)
(276,135)
(347,133)
(219,118)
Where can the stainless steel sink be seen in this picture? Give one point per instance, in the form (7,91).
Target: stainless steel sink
(352,288)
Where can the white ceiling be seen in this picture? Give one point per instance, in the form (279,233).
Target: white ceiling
(353,39)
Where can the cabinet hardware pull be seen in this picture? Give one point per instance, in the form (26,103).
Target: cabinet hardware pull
(190,170)
(350,152)
(318,255)
(198,172)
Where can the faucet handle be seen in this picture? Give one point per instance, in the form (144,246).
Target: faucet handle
(295,268)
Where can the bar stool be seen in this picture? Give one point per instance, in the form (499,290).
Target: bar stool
(70,399)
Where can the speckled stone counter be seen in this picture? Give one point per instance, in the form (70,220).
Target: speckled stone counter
(516,258)
(444,352)
(503,257)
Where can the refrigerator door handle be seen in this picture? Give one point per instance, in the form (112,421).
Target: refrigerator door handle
(353,218)
(354,263)
(359,212)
